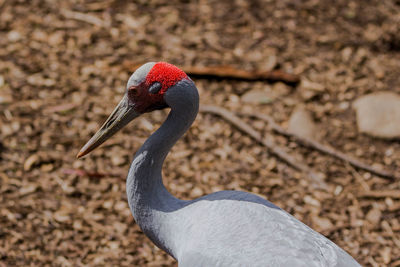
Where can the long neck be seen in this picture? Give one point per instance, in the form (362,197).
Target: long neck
(149,200)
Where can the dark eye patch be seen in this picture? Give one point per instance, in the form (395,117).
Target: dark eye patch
(155,88)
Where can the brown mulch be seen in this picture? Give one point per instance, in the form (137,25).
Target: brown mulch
(62,71)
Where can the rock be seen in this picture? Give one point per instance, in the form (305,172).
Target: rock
(257,97)
(302,124)
(374,216)
(309,89)
(308,94)
(270,63)
(62,216)
(306,84)
(14,36)
(378,114)
(266,94)
(311,201)
(30,188)
(347,53)
(196,192)
(117,160)
(386,254)
(281,89)
(322,223)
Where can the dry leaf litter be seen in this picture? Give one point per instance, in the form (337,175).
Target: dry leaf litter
(62,72)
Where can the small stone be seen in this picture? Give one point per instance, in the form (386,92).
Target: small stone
(386,254)
(108,204)
(77,225)
(281,88)
(344,105)
(308,94)
(301,123)
(378,114)
(14,36)
(46,167)
(113,245)
(117,160)
(56,38)
(312,201)
(61,216)
(374,216)
(306,84)
(338,190)
(270,63)
(322,223)
(28,189)
(197,192)
(120,205)
(256,97)
(346,53)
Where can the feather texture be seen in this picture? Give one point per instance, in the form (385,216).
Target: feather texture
(227,228)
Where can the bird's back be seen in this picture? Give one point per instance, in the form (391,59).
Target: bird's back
(234,228)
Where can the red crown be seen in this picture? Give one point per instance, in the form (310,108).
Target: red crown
(166,74)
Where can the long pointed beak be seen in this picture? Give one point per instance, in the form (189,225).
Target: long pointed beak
(120,117)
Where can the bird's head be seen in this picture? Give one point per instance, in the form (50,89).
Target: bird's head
(145,92)
(148,84)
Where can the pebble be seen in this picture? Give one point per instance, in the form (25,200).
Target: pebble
(374,216)
(301,123)
(118,160)
(378,114)
(14,36)
(256,97)
(322,223)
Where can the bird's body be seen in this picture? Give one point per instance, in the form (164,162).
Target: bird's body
(227,228)
(233,228)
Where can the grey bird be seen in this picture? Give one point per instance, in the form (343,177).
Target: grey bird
(226,228)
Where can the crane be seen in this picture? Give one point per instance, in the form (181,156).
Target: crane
(226,228)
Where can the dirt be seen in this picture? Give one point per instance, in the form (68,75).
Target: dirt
(62,71)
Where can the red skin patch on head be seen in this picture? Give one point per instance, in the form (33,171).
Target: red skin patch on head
(166,74)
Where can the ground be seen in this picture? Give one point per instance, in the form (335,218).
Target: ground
(64,66)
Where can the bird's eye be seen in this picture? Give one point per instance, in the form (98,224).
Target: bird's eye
(155,88)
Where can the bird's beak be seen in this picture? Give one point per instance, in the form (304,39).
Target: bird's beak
(120,117)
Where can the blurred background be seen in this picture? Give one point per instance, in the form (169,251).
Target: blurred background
(64,66)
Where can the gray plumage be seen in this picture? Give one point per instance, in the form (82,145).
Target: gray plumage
(227,228)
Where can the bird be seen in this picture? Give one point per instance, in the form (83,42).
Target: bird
(225,228)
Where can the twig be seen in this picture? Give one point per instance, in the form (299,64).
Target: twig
(324,148)
(84,17)
(229,72)
(60,108)
(80,172)
(244,127)
(358,177)
(381,194)
(273,148)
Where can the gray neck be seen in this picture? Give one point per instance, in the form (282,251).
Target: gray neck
(149,200)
